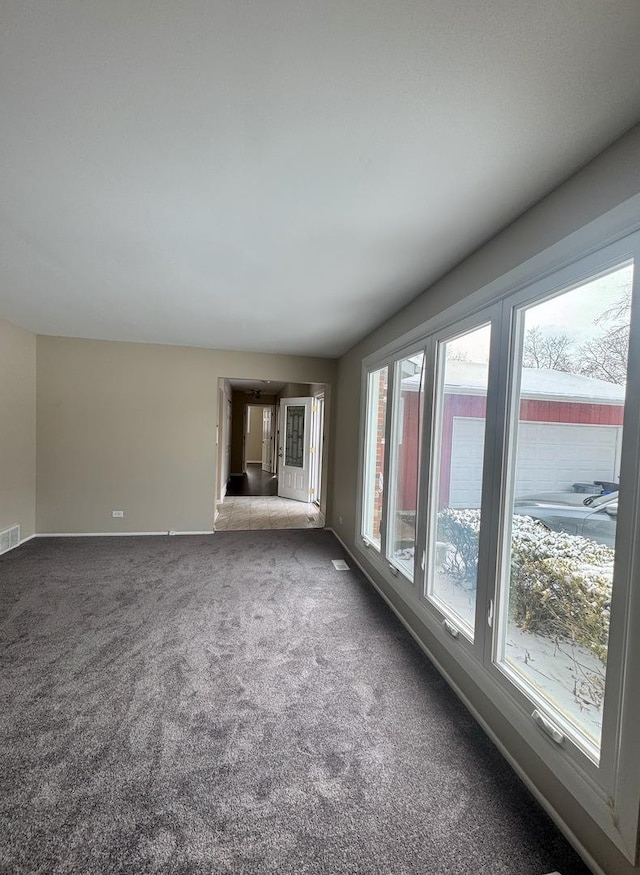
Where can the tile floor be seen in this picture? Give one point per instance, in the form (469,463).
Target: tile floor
(265,512)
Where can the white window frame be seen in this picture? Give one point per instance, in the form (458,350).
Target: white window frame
(610,792)
(363,505)
(395,567)
(430,485)
(608,780)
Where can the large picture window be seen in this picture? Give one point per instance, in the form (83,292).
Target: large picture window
(500,490)
(566,425)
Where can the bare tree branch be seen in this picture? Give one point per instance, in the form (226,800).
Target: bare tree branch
(605,357)
(550,351)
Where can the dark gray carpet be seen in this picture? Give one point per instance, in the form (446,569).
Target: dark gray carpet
(232,704)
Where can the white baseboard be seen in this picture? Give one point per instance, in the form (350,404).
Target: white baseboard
(566,831)
(114,534)
(19,544)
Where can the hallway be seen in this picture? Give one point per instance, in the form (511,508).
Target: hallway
(254,481)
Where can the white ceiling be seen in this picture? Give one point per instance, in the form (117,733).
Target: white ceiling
(281,176)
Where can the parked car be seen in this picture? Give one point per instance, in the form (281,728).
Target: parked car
(592,517)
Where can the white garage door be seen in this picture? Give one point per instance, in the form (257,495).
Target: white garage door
(467,448)
(552,456)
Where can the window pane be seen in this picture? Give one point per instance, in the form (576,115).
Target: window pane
(374,458)
(404,461)
(458,453)
(565,458)
(294,437)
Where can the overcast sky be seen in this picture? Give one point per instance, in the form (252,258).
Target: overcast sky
(572,313)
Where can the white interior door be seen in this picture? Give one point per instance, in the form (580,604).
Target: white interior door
(294,474)
(267,439)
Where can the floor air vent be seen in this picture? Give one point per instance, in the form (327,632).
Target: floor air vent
(9,538)
(340,565)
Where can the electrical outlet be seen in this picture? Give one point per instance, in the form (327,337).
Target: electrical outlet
(340,520)
(117,514)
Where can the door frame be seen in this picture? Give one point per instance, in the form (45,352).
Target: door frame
(317,446)
(223,440)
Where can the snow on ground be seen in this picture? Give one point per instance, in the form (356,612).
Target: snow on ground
(570,677)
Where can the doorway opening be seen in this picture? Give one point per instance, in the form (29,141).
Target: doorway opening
(259,467)
(271,454)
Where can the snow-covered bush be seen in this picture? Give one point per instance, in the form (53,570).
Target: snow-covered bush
(460,529)
(560,584)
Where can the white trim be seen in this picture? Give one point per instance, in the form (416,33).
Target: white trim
(396,436)
(94,534)
(19,544)
(473,637)
(367,501)
(114,534)
(524,777)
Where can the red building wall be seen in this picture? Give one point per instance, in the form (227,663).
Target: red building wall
(531,410)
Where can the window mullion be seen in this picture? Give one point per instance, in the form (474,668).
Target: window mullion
(426,450)
(485,588)
(387,445)
(497,459)
(621,713)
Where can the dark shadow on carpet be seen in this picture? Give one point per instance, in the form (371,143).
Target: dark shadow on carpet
(233,704)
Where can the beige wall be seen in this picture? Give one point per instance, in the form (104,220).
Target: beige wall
(253,444)
(301,390)
(17,428)
(295,390)
(602,185)
(126,426)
